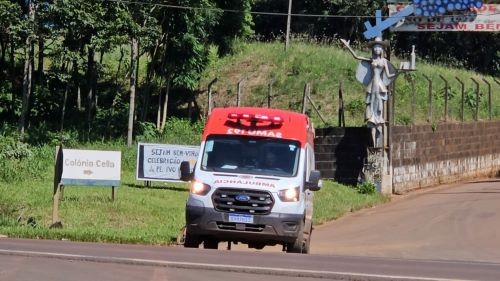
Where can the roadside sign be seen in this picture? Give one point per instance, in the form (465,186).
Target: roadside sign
(83,167)
(161,162)
(91,167)
(483,19)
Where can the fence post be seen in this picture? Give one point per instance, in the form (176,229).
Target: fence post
(429,116)
(462,113)
(238,91)
(489,96)
(210,85)
(446,96)
(341,106)
(476,114)
(307,90)
(270,93)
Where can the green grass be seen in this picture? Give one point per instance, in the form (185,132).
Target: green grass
(152,215)
(326,66)
(334,200)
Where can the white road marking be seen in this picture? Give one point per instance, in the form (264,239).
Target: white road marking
(225,267)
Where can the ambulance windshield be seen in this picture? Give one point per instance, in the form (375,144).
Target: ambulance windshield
(251,155)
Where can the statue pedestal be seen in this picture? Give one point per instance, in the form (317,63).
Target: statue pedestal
(377,171)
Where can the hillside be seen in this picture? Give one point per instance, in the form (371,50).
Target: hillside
(326,66)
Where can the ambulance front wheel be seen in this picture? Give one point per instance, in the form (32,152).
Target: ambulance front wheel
(301,245)
(191,241)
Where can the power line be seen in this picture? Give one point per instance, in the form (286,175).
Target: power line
(234,11)
(180,7)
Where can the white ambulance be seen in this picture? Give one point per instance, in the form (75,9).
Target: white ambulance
(253,180)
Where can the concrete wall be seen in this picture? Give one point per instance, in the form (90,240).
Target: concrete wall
(423,156)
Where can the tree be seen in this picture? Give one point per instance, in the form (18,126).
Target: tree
(232,25)
(10,20)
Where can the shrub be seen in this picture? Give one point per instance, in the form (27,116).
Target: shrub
(12,148)
(366,188)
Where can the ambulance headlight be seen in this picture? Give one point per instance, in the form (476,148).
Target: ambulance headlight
(289,195)
(199,188)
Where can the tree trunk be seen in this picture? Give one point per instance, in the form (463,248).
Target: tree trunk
(76,83)
(158,112)
(3,45)
(150,77)
(90,82)
(133,81)
(63,110)
(165,104)
(27,75)
(12,76)
(41,57)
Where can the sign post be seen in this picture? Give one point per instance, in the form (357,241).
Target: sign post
(85,168)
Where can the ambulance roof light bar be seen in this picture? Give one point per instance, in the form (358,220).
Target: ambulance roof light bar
(277,120)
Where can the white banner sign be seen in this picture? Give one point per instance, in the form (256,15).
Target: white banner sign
(91,167)
(486,19)
(161,162)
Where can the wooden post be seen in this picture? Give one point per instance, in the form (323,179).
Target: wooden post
(288,24)
(270,93)
(58,170)
(341,106)
(113,193)
(210,103)
(238,94)
(55,207)
(307,90)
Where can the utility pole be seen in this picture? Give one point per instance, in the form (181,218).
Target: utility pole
(288,23)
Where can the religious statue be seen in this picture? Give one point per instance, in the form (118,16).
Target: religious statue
(377,74)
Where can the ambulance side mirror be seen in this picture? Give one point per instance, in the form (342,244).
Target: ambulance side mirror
(185,169)
(314,182)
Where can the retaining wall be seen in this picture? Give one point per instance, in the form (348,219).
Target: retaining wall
(424,155)
(340,153)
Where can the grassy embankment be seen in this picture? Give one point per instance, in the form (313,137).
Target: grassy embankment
(325,66)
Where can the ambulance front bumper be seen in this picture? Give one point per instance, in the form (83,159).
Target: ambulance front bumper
(273,228)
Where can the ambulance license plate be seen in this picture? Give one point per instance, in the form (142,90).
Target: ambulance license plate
(237,218)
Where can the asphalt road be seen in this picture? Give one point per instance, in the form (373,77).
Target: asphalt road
(448,233)
(457,222)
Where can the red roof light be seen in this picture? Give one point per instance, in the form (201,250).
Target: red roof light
(256,118)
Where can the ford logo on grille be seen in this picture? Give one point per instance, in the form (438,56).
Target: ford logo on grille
(242,198)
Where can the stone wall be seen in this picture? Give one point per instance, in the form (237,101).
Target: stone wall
(424,156)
